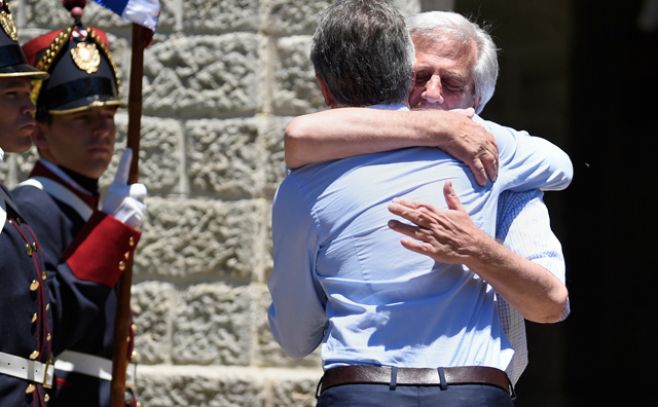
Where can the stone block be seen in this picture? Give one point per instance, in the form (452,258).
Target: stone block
(48,14)
(299,392)
(203,76)
(272,132)
(295,90)
(160,154)
(120,50)
(169,15)
(194,388)
(185,238)
(223,158)
(152,304)
(212,325)
(267,255)
(217,16)
(292,17)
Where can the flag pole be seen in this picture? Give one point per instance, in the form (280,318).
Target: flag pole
(122,321)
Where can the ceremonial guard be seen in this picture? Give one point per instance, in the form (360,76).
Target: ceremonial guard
(75,135)
(25,314)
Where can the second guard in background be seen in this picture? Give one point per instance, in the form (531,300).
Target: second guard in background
(75,138)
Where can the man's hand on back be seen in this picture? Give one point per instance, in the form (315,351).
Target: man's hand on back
(470,143)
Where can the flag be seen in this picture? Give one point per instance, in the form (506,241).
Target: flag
(142,12)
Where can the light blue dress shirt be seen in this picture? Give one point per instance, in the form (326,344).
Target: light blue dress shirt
(342,279)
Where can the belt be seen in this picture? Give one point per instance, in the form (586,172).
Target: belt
(364,374)
(92,365)
(27,369)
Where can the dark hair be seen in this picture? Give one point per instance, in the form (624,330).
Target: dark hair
(363,52)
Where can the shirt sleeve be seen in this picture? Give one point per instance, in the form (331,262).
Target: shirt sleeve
(297,313)
(528,162)
(524,227)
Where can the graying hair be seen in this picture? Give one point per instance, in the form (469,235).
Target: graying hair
(362,50)
(433,24)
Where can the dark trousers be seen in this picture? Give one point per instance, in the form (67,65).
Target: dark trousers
(383,395)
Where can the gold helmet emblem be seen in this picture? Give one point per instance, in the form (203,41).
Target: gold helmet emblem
(86,56)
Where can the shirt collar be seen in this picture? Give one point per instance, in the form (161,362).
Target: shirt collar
(393,106)
(62,175)
(47,169)
(2,155)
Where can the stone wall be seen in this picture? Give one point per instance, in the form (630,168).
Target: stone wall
(222,79)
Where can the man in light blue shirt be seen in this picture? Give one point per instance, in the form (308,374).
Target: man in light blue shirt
(530,280)
(341,277)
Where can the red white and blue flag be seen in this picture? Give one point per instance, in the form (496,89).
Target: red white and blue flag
(142,12)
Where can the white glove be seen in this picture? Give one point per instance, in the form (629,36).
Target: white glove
(125,202)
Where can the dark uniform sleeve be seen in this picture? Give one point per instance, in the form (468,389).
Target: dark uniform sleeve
(83,261)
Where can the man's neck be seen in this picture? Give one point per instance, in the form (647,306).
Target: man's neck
(89,184)
(78,181)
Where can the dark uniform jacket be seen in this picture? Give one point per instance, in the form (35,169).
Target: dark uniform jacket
(96,248)
(25,309)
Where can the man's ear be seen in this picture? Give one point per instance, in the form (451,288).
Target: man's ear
(39,138)
(328,98)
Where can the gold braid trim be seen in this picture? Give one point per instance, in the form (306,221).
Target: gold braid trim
(47,60)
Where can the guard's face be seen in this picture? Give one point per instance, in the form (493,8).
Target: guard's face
(443,74)
(16,115)
(82,141)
